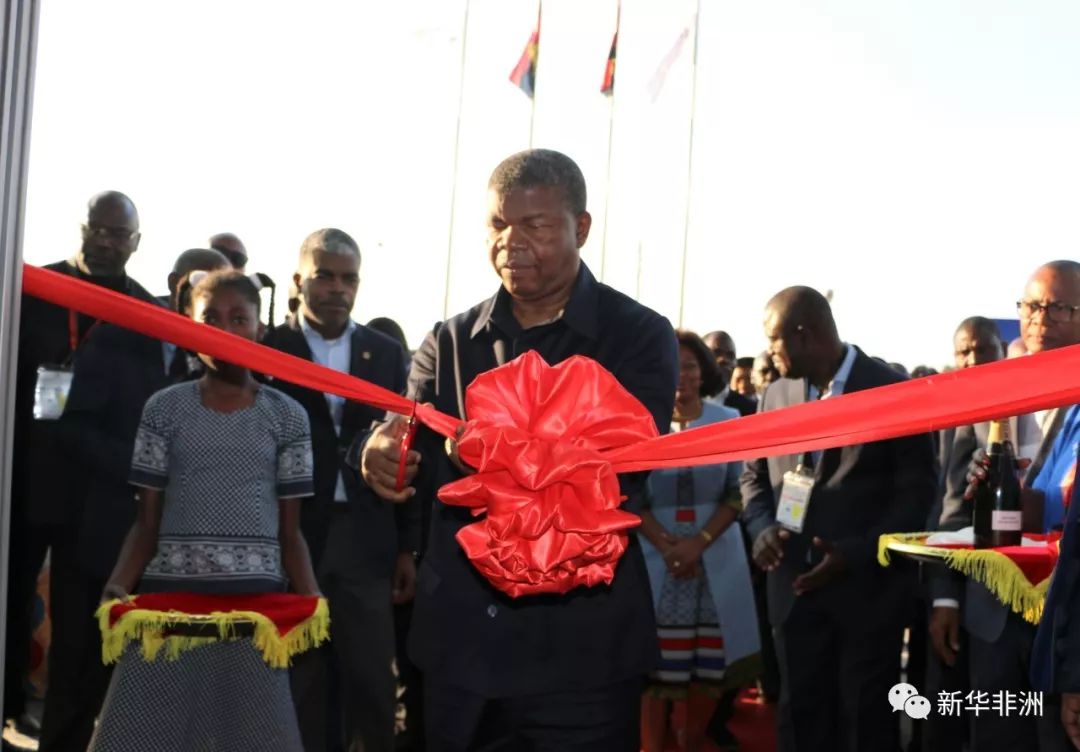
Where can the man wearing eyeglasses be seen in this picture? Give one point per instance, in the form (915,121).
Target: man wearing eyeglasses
(44,515)
(1000,641)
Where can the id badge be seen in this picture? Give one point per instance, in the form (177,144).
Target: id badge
(51,392)
(794,500)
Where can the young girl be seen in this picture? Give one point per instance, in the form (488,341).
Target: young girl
(220,465)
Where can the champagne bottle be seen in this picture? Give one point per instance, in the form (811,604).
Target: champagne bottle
(997,514)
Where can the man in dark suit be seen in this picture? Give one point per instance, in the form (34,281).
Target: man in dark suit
(999,640)
(43,514)
(115,372)
(723,349)
(837,616)
(540,672)
(976,341)
(361,547)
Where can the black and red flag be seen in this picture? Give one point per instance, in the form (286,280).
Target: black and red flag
(608,87)
(524,73)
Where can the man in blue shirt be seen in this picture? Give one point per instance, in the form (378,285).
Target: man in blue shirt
(1055,657)
(1001,643)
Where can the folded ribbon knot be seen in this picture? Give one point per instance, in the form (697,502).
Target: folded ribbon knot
(548,496)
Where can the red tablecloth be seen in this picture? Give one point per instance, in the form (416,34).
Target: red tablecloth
(1018,575)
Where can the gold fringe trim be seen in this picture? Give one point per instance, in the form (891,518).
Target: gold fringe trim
(148,627)
(993,569)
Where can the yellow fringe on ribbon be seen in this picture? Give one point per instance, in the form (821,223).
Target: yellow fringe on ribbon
(995,570)
(149,627)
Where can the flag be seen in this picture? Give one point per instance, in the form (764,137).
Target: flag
(608,87)
(524,74)
(656,83)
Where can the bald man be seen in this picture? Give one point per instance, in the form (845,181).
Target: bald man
(232,248)
(1000,641)
(837,615)
(43,513)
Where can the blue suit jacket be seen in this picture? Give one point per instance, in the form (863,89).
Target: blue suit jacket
(1055,656)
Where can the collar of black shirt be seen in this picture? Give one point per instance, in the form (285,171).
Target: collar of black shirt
(581,313)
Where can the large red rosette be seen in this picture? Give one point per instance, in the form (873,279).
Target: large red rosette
(549,499)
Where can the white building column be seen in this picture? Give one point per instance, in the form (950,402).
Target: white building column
(17,49)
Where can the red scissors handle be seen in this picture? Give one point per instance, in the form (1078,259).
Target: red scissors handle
(406,445)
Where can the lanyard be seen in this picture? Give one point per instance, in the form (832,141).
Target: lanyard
(807,460)
(73,332)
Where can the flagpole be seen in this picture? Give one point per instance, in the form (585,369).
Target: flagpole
(457,144)
(637,289)
(610,141)
(689,166)
(532,99)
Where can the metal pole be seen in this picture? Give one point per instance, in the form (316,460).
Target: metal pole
(689,167)
(610,142)
(457,145)
(536,78)
(16,95)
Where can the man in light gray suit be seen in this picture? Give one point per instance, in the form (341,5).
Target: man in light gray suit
(999,640)
(838,617)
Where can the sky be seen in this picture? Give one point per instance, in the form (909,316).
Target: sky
(919,158)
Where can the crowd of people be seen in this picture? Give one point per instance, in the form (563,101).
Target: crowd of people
(164,470)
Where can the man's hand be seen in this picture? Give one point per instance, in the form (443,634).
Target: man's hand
(769,547)
(1070,716)
(945,633)
(379,462)
(831,567)
(684,556)
(404,578)
(976,473)
(113,591)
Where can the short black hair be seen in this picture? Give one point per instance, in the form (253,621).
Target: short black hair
(806,307)
(199,258)
(390,328)
(329,240)
(744,362)
(227,279)
(541,168)
(711,379)
(982,326)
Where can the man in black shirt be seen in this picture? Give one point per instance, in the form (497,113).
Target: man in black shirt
(44,514)
(545,672)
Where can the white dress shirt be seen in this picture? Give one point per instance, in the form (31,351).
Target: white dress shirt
(835,388)
(336,354)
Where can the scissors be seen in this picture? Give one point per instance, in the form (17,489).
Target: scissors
(406,445)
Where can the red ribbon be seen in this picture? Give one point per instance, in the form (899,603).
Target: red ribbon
(159,323)
(549,441)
